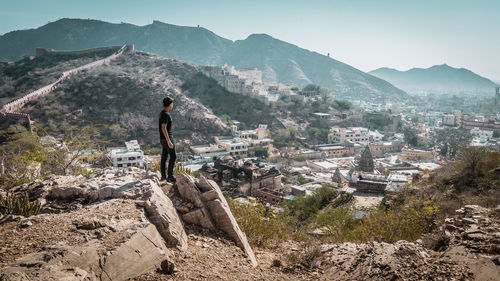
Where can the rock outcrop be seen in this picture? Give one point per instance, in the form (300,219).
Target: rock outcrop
(475,228)
(209,209)
(118,224)
(383,261)
(121,224)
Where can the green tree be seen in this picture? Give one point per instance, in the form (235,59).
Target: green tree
(303,207)
(411,136)
(342,105)
(261,151)
(470,160)
(450,139)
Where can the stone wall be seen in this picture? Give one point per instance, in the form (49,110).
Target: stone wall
(7,109)
(49,51)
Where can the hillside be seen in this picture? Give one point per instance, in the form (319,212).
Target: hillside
(280,61)
(126,97)
(437,79)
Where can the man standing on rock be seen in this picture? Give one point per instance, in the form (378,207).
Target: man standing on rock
(166,140)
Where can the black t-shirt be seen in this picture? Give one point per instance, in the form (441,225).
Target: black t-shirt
(165,119)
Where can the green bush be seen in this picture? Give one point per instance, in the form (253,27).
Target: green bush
(392,225)
(337,223)
(8,181)
(342,105)
(300,158)
(261,229)
(303,207)
(18,205)
(261,151)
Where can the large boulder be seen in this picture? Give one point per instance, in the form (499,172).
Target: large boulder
(161,212)
(55,263)
(143,252)
(210,200)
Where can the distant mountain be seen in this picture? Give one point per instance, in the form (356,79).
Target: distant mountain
(436,79)
(280,61)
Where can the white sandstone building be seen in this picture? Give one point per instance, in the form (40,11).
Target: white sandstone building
(130,155)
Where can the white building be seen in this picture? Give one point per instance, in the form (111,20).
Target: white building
(246,81)
(250,75)
(130,155)
(481,134)
(449,120)
(209,151)
(375,136)
(354,134)
(235,146)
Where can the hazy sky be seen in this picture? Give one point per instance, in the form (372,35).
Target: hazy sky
(366,34)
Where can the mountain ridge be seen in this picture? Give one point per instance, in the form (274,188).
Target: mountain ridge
(437,78)
(280,61)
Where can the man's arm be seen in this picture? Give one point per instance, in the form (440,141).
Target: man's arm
(164,131)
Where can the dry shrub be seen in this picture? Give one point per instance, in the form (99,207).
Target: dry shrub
(436,241)
(308,256)
(396,224)
(261,229)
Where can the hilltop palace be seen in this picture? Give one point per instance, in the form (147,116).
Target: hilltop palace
(248,81)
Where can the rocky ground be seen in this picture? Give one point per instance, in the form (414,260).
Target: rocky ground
(123,225)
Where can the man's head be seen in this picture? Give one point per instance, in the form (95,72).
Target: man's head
(168,103)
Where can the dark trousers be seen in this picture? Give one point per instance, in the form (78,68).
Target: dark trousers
(167,152)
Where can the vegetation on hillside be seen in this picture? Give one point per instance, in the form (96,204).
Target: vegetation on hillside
(26,158)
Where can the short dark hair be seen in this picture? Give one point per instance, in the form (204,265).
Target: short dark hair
(167,101)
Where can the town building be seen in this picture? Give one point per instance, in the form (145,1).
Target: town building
(408,154)
(481,133)
(381,148)
(375,136)
(321,116)
(335,150)
(209,150)
(480,122)
(354,134)
(235,146)
(322,165)
(247,81)
(130,155)
(257,138)
(365,163)
(248,178)
(369,183)
(450,120)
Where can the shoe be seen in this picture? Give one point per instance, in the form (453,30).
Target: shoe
(163,179)
(171,179)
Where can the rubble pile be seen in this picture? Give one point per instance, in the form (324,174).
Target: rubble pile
(383,261)
(476,228)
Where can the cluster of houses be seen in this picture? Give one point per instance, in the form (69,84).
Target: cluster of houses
(248,81)
(240,144)
(356,161)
